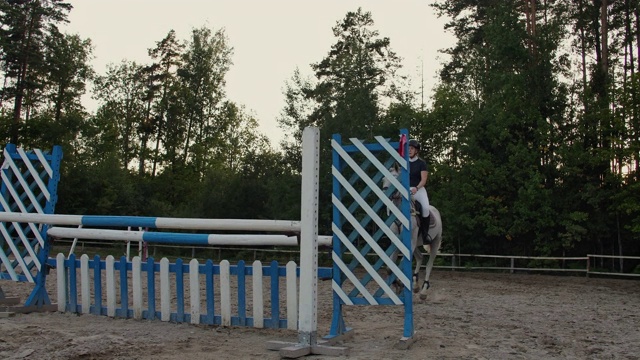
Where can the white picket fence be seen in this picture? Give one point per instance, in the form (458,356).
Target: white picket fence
(218,294)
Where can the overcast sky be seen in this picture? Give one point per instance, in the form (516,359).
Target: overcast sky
(269,39)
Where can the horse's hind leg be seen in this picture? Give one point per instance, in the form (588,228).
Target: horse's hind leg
(434,247)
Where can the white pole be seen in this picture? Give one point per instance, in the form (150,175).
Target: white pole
(75,241)
(308,319)
(183,239)
(287,226)
(128,246)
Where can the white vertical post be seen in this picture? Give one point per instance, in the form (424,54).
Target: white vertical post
(136,284)
(194,288)
(165,291)
(62,283)
(111,286)
(258,304)
(292,296)
(225,293)
(308,319)
(85,284)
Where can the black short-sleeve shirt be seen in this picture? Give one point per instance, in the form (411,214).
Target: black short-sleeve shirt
(415,168)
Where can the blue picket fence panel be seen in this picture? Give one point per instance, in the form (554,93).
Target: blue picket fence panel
(179,270)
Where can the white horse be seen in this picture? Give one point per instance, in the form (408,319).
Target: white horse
(435,234)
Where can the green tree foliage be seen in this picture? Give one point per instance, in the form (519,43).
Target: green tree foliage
(205,63)
(162,93)
(508,109)
(537,137)
(352,86)
(26,27)
(532,133)
(173,141)
(61,117)
(121,116)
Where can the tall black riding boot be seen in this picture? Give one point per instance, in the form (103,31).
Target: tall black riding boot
(424,226)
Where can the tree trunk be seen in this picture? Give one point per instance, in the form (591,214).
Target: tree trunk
(637,14)
(531,15)
(583,51)
(604,26)
(22,76)
(58,104)
(635,114)
(629,39)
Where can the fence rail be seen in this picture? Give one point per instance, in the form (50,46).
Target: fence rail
(581,264)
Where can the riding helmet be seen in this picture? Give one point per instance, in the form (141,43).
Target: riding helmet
(415,144)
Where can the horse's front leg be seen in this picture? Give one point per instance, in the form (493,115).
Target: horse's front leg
(396,284)
(417,255)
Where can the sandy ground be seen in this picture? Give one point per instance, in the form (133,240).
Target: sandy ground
(467,316)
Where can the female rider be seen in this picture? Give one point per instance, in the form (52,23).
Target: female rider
(417,180)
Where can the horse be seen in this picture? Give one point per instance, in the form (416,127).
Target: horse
(435,234)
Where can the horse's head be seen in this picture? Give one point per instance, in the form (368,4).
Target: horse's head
(395,171)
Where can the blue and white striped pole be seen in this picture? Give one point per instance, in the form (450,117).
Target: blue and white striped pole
(154,222)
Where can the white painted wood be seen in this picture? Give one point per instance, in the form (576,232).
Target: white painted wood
(228,224)
(43,161)
(85,284)
(292,296)
(136,284)
(369,210)
(128,246)
(252,240)
(25,159)
(380,166)
(95,234)
(393,152)
(374,187)
(212,239)
(370,270)
(61,275)
(25,217)
(37,208)
(165,291)
(308,319)
(373,243)
(111,286)
(32,257)
(258,300)
(3,257)
(225,293)
(17,256)
(194,288)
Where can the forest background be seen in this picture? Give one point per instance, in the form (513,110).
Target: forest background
(532,133)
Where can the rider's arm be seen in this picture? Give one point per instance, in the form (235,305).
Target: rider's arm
(423,179)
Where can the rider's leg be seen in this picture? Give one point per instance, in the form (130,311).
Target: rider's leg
(423,199)
(424,227)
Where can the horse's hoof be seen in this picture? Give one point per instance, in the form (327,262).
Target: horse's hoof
(423,297)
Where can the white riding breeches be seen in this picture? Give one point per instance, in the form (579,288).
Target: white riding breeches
(422,198)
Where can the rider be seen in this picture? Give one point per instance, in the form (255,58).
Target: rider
(417,180)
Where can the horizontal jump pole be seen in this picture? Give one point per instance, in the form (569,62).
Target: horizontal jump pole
(287,226)
(179,238)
